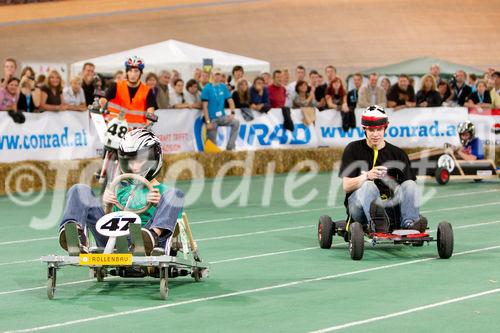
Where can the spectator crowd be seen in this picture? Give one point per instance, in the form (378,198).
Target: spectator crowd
(30,92)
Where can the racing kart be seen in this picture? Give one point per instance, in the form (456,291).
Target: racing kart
(441,164)
(124,254)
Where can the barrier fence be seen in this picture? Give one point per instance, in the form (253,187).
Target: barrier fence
(71,135)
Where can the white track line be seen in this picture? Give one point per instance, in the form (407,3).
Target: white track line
(405,312)
(18,262)
(255,233)
(27,240)
(455,208)
(242,292)
(268,254)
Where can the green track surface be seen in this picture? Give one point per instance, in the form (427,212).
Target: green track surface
(272,247)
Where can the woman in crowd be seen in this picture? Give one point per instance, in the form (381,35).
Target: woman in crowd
(28,72)
(118,76)
(304,95)
(52,93)
(428,96)
(192,95)
(386,84)
(241,95)
(8,95)
(259,95)
(176,97)
(336,96)
(29,95)
(8,99)
(444,92)
(480,98)
(73,96)
(152,82)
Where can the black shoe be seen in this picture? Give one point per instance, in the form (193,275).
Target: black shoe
(83,242)
(419,225)
(379,222)
(150,239)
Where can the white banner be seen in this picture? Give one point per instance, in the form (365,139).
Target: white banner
(46,136)
(68,135)
(176,129)
(412,127)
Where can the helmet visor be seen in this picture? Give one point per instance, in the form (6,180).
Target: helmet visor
(140,162)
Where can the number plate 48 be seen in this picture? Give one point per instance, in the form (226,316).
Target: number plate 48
(116,224)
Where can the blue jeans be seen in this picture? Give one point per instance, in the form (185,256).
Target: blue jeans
(405,195)
(83,207)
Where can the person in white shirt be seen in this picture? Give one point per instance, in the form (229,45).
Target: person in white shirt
(176,96)
(74,96)
(192,95)
(300,74)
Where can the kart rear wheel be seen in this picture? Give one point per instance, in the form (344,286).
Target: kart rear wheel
(100,273)
(445,240)
(326,229)
(442,176)
(356,241)
(51,282)
(196,274)
(163,283)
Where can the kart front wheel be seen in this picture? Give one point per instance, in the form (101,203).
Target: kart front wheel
(445,240)
(326,229)
(51,282)
(356,241)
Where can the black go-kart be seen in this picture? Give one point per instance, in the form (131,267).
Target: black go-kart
(382,230)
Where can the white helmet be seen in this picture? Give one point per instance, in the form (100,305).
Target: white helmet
(374,116)
(141,145)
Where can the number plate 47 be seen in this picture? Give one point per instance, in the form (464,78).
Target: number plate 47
(116,224)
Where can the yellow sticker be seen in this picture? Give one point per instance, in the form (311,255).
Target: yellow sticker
(96,259)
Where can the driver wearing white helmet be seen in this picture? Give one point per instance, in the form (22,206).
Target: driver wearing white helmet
(139,153)
(377,175)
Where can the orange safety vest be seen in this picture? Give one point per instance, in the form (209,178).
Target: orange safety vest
(135,109)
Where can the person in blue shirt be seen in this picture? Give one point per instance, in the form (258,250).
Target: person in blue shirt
(472,148)
(213,96)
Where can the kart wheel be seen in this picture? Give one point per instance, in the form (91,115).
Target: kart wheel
(51,282)
(326,229)
(100,273)
(196,274)
(478,180)
(163,288)
(356,241)
(445,240)
(163,283)
(442,176)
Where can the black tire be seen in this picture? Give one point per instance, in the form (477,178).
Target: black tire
(326,229)
(478,180)
(442,176)
(51,282)
(163,283)
(196,274)
(100,273)
(445,240)
(356,241)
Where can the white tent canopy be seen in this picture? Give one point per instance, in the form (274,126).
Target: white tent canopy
(172,54)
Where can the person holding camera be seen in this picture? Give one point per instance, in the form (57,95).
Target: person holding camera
(459,88)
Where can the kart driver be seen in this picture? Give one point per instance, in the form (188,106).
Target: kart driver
(131,96)
(366,170)
(139,153)
(472,148)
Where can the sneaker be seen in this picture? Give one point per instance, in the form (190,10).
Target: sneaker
(82,238)
(420,224)
(379,222)
(150,239)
